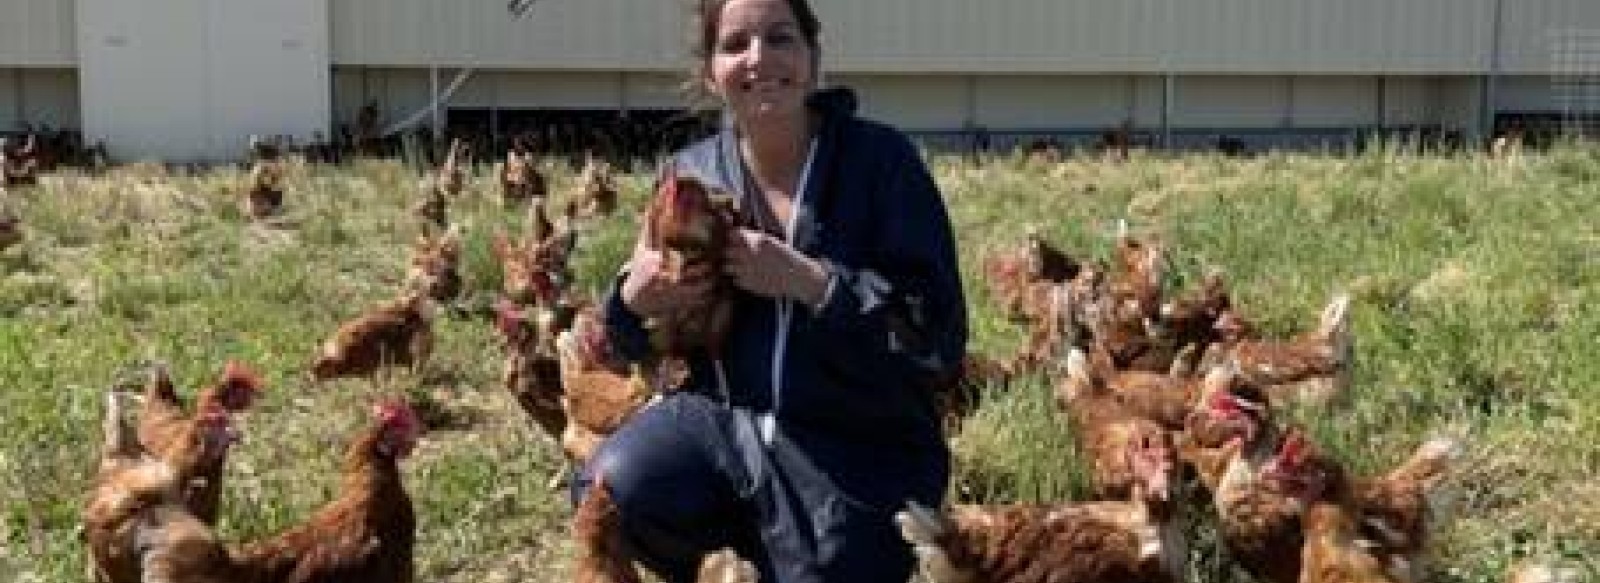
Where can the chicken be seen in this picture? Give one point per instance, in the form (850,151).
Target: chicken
(1399,509)
(433,209)
(398,332)
(1209,431)
(1125,313)
(1137,539)
(597,530)
(598,194)
(1191,319)
(129,483)
(1390,514)
(365,535)
(1021,280)
(1335,549)
(434,268)
(1335,552)
(599,391)
(19,166)
(520,179)
(1259,507)
(535,272)
(1313,368)
(532,371)
(1103,426)
(1137,274)
(690,225)
(175,547)
(263,195)
(10,225)
(451,177)
(189,445)
(1167,399)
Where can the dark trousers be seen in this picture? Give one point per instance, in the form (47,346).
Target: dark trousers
(691,476)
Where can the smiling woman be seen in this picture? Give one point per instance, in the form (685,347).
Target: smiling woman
(815,422)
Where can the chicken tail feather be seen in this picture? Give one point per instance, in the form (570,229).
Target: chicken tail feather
(927,531)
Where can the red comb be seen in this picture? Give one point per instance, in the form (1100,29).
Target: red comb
(1294,446)
(1225,401)
(396,412)
(507,317)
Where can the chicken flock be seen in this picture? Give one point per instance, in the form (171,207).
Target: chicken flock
(1175,403)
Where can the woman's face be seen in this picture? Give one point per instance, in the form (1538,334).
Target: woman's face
(760,62)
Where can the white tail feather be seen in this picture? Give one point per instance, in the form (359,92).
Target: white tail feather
(923,528)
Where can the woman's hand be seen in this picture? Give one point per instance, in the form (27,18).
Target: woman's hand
(768,266)
(649,291)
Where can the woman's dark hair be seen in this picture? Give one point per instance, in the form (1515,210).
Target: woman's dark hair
(703,38)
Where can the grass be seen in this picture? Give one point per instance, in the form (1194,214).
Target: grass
(1477,289)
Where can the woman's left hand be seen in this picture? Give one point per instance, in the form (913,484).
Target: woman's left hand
(768,266)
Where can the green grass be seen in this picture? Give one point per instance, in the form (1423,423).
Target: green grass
(1477,311)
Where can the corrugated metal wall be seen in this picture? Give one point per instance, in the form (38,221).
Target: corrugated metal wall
(555,34)
(38,33)
(1545,36)
(1018,36)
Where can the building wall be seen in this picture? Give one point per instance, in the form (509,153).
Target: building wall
(194,79)
(38,97)
(37,33)
(591,34)
(1000,103)
(911,102)
(1545,36)
(961,36)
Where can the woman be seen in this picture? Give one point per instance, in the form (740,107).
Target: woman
(797,447)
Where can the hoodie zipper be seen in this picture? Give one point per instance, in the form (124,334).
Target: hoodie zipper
(785,314)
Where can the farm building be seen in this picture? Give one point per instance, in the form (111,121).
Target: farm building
(192,79)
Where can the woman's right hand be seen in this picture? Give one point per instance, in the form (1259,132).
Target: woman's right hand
(649,291)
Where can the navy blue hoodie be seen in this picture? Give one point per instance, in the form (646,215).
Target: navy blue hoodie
(850,381)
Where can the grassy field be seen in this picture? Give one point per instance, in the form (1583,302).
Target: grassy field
(1477,309)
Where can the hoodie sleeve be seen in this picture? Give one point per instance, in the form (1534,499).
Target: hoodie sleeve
(906,309)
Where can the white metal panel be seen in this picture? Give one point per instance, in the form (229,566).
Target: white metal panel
(910,102)
(192,79)
(1230,102)
(268,71)
(141,85)
(37,33)
(49,97)
(1334,101)
(1018,102)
